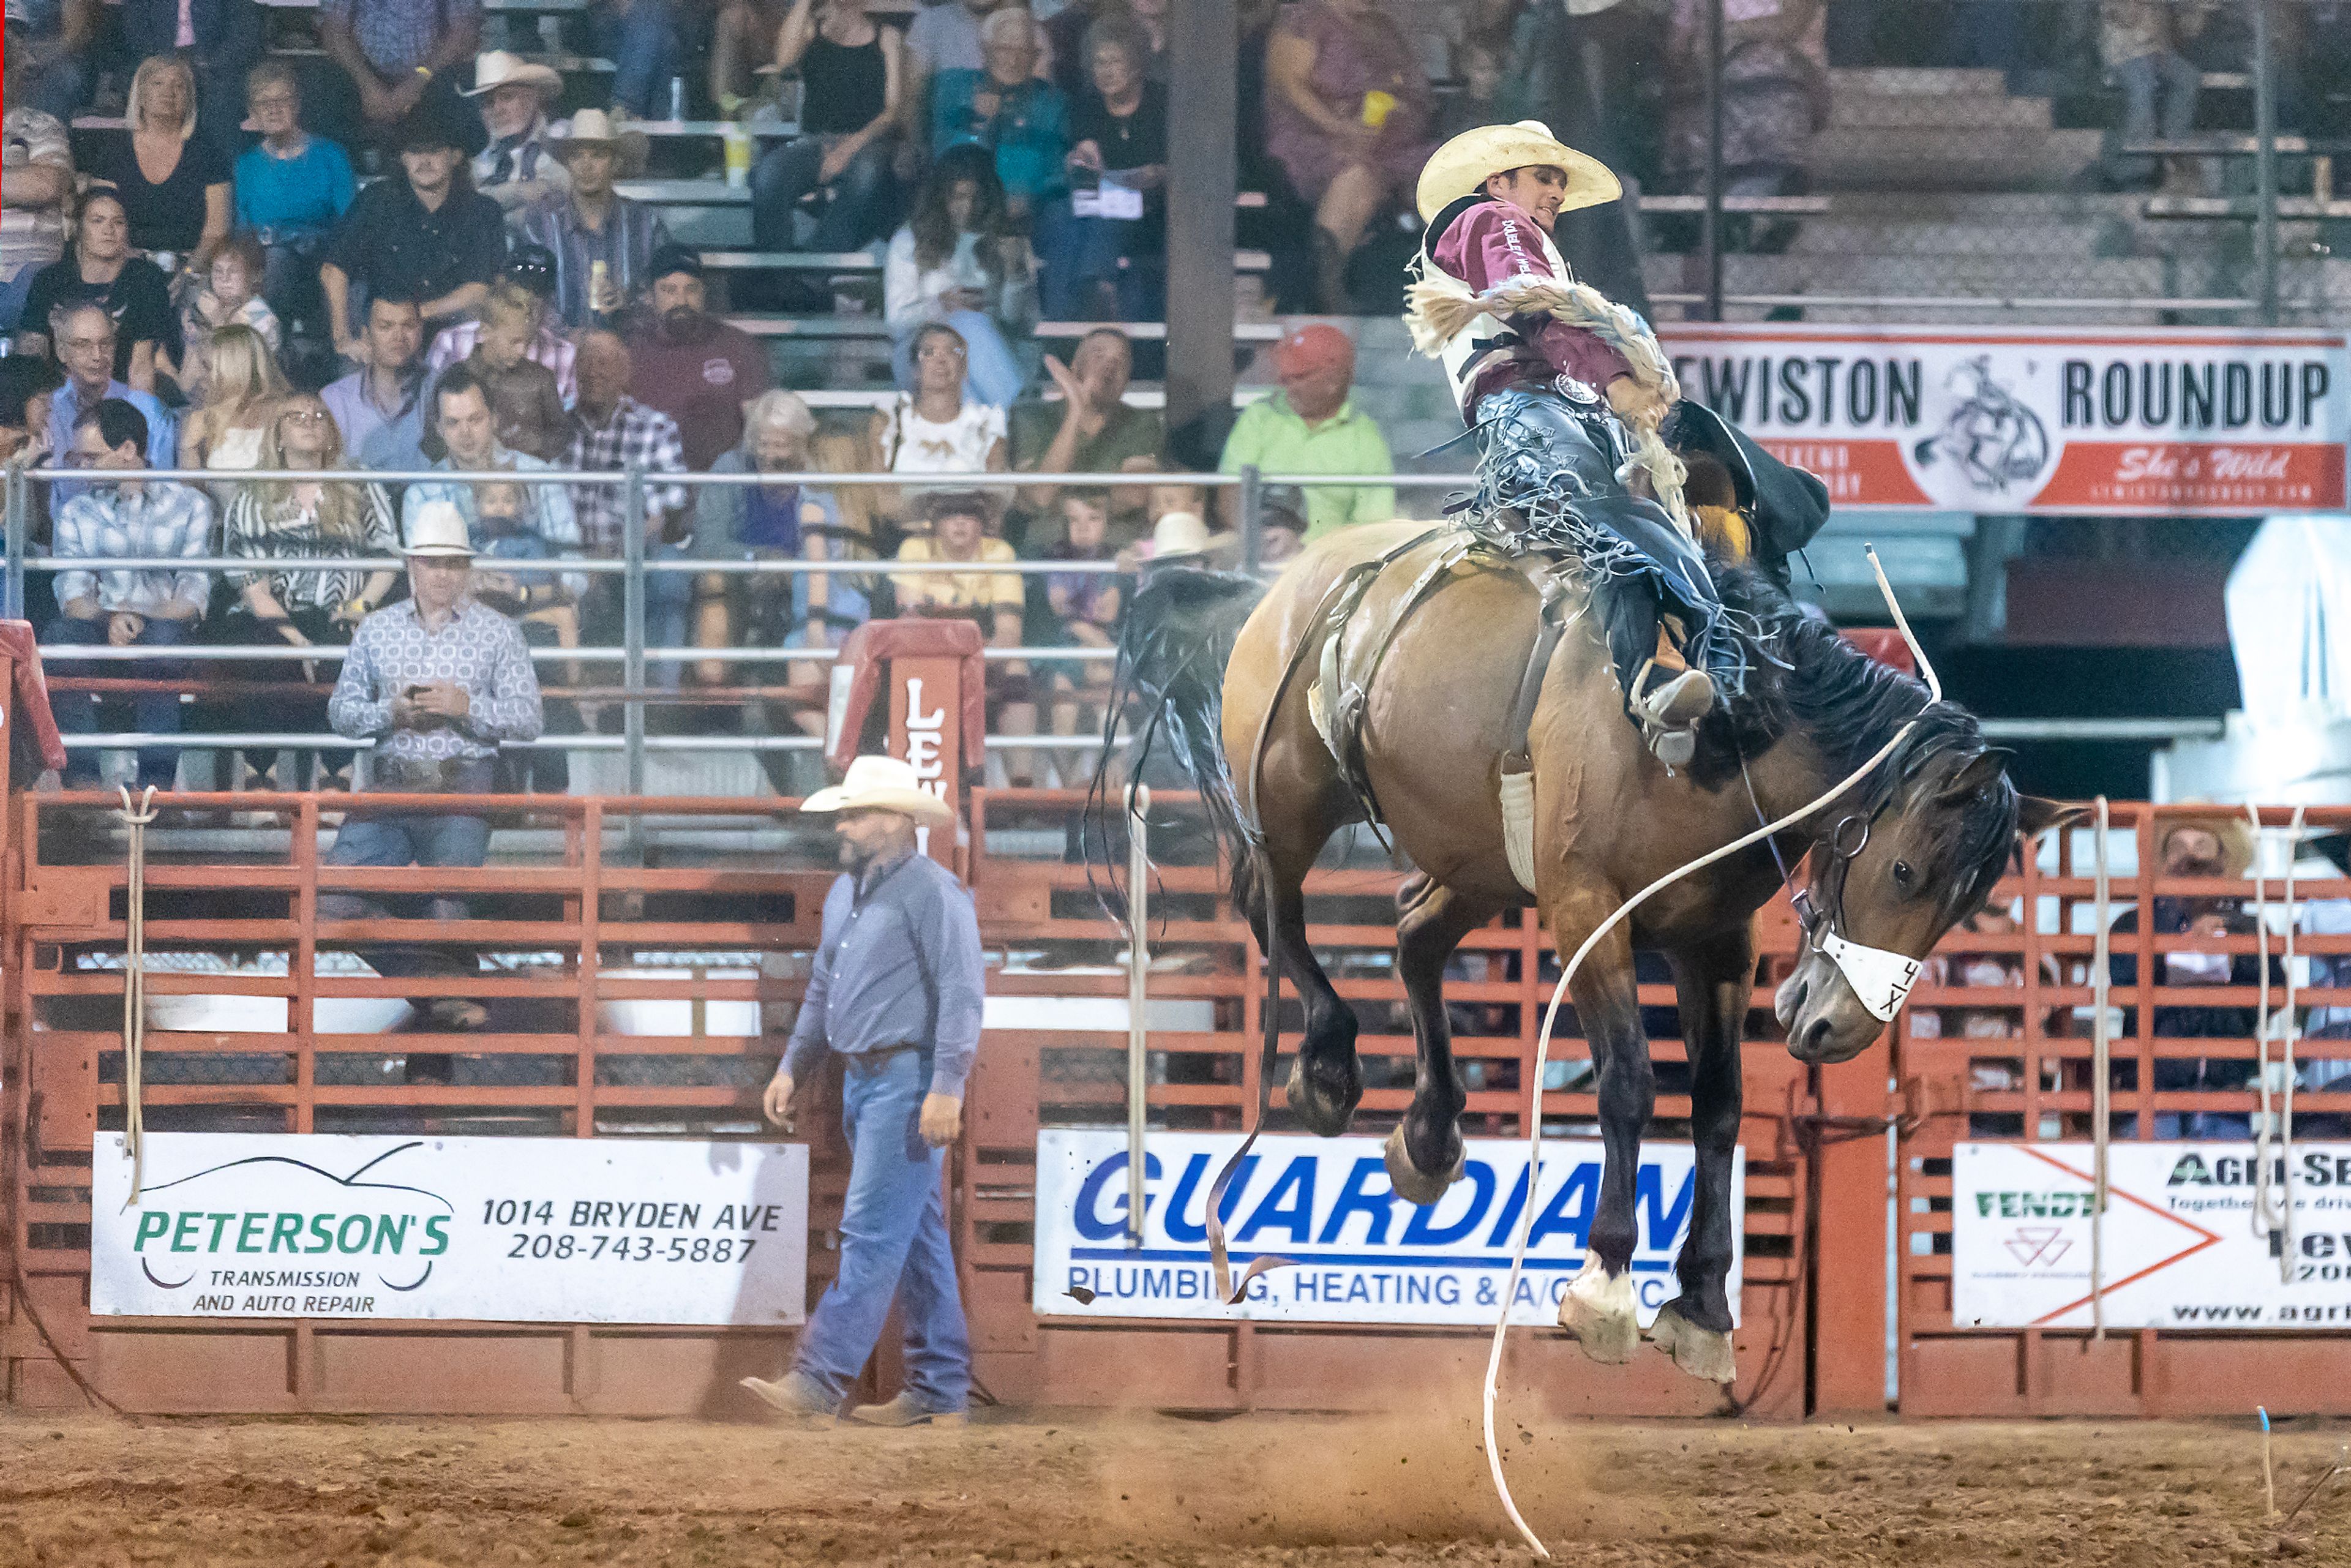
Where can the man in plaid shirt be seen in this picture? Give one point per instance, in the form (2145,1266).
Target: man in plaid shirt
(127,519)
(612,432)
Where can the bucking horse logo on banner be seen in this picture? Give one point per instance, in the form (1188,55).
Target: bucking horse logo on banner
(1990,437)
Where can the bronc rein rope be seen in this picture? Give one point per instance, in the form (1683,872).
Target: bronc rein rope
(134,987)
(1551,1016)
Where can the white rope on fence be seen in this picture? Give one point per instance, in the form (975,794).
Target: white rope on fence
(2102,1072)
(134,987)
(2273,1138)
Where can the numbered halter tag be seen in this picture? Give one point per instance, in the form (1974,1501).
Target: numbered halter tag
(1881,979)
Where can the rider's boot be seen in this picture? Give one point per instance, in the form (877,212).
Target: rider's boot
(1670,704)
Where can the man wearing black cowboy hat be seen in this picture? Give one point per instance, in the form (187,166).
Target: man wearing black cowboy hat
(428,237)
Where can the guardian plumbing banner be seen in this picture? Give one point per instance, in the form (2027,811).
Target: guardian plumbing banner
(1359,1253)
(2216,422)
(603,1230)
(2181,1249)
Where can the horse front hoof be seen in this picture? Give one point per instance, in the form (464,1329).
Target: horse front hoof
(1702,1353)
(1411,1182)
(1325,1108)
(1597,1314)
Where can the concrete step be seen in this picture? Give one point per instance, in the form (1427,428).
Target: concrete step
(1839,236)
(1849,81)
(2033,276)
(1992,111)
(1932,157)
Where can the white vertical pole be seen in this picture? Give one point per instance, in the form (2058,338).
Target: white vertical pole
(1138,981)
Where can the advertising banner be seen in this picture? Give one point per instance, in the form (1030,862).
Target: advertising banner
(1359,1254)
(2180,1249)
(2213,422)
(601,1231)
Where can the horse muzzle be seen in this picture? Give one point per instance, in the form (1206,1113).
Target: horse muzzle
(1827,1019)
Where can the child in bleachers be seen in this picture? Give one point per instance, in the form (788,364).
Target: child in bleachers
(1085,608)
(233,299)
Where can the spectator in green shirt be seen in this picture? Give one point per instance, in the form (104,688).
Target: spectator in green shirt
(1310,426)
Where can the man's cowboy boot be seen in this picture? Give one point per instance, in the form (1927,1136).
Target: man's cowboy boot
(1669,712)
(795,1396)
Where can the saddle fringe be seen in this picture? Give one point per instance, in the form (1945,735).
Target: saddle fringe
(1439,305)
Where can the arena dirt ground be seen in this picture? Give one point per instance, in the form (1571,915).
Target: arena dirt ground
(1144,1489)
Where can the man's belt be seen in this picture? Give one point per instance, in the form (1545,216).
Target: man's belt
(431,775)
(869,1060)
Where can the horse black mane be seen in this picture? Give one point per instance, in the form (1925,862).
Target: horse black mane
(1808,678)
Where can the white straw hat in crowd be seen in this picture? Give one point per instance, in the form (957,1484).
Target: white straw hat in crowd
(495,68)
(881,784)
(594,127)
(439,530)
(1178,534)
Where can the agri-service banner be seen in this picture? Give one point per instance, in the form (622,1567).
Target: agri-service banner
(2180,1249)
(1358,1254)
(604,1230)
(2217,422)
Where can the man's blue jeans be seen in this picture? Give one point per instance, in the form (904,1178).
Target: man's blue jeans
(154,713)
(2165,74)
(893,1242)
(642,44)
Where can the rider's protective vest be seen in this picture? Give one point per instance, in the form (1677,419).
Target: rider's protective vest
(1471,350)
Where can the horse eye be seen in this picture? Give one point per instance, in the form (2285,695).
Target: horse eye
(1903,875)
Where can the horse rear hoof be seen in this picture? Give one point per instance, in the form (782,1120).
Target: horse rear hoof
(1324,1109)
(1411,1182)
(1702,1353)
(1597,1314)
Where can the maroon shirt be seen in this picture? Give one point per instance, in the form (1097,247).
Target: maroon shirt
(1488,246)
(702,384)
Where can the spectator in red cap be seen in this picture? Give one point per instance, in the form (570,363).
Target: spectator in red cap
(1310,426)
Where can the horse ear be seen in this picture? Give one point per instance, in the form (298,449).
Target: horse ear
(2035,816)
(1980,772)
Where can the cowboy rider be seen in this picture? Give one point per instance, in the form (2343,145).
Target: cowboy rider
(1565,394)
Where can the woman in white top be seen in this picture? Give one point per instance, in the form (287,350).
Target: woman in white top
(953,265)
(241,399)
(938,428)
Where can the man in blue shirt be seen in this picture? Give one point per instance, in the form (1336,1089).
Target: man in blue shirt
(84,338)
(897,993)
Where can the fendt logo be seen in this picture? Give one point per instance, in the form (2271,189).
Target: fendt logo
(2034,1205)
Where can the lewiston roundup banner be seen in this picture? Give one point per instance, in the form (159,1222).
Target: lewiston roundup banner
(2211,421)
(1359,1254)
(604,1230)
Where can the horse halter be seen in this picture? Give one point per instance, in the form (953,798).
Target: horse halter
(1879,978)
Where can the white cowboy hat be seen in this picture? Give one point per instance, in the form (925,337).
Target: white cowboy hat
(594,127)
(1178,534)
(497,68)
(439,530)
(1463,165)
(881,784)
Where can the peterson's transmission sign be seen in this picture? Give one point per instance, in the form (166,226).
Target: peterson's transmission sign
(490,1230)
(2180,1250)
(1356,1252)
(2201,421)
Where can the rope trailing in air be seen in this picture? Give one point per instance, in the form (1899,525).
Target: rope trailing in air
(1567,975)
(2102,1045)
(2273,1138)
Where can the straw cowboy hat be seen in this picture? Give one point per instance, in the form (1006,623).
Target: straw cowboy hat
(1463,165)
(497,68)
(881,784)
(1178,534)
(594,127)
(439,530)
(2232,830)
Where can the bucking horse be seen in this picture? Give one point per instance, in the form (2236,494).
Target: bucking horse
(1434,669)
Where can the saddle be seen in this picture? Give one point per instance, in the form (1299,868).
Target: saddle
(1341,690)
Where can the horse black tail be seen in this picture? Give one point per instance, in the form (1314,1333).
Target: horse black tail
(1170,683)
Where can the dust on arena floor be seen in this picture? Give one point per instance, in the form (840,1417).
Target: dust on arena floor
(1142,1489)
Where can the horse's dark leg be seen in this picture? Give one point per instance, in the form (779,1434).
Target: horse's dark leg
(1598,1308)
(1712,982)
(1424,1154)
(1325,1080)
